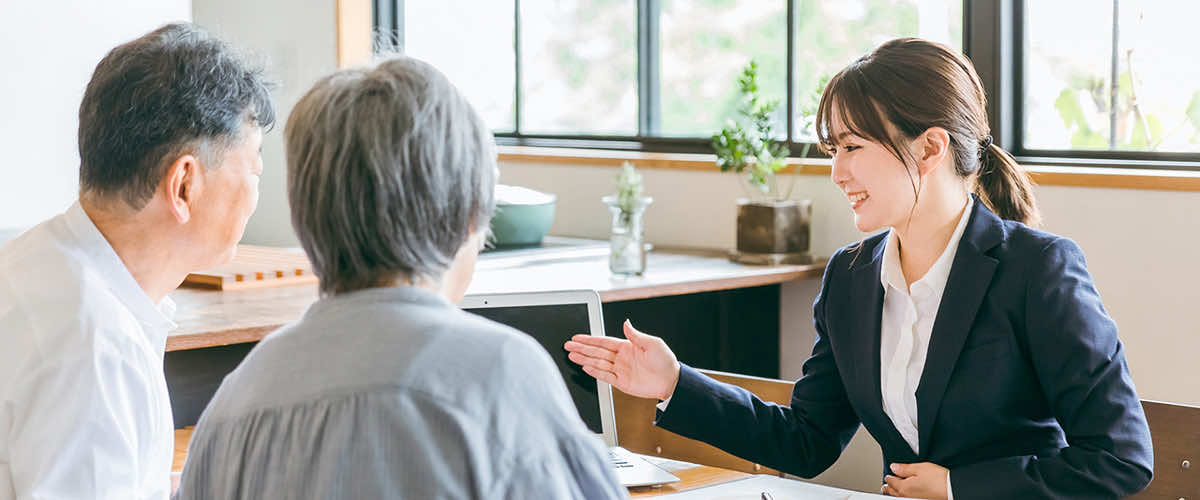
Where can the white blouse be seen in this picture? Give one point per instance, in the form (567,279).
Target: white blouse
(908,316)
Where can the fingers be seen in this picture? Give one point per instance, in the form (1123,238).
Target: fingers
(608,343)
(904,470)
(601,375)
(891,485)
(638,338)
(587,361)
(590,350)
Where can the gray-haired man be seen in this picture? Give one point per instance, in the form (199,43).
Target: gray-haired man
(169,134)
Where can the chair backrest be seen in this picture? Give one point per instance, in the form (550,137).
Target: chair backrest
(1175,429)
(636,431)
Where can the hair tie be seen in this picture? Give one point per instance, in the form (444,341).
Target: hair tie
(986,142)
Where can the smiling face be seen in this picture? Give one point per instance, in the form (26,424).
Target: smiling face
(878,186)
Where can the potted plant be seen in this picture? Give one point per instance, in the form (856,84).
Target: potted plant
(772,228)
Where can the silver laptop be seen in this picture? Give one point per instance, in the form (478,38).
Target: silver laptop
(552,318)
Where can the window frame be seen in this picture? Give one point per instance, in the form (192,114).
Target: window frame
(993,38)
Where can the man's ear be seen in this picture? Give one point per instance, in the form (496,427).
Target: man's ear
(931,149)
(182,186)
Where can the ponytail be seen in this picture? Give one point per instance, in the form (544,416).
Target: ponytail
(1005,187)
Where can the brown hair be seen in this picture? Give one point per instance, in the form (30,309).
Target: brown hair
(915,85)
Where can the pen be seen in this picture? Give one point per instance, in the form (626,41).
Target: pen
(767,496)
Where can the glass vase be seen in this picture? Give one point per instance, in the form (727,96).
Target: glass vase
(627,249)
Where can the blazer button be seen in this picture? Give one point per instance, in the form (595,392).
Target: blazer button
(1186,464)
(757,467)
(658,450)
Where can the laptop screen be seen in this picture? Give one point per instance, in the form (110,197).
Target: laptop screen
(552,326)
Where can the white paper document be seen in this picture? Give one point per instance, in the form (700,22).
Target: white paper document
(753,487)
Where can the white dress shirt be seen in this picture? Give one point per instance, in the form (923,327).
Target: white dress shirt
(84,410)
(907,322)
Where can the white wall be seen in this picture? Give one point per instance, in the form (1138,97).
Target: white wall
(1140,247)
(49,50)
(298,38)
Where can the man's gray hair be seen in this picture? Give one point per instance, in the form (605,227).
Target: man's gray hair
(389,171)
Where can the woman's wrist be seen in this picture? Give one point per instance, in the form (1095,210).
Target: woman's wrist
(671,388)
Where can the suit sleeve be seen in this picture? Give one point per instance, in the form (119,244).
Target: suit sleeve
(804,438)
(1080,364)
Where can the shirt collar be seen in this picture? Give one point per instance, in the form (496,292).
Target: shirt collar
(102,259)
(891,273)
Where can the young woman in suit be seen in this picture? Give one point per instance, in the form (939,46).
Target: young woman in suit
(974,348)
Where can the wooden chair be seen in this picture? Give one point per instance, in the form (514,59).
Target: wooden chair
(637,433)
(1175,430)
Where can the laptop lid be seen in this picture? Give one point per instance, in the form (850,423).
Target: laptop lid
(552,318)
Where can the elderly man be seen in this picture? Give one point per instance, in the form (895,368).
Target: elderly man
(384,389)
(169,134)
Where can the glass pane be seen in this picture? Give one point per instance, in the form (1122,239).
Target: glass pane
(1067,74)
(833,33)
(705,44)
(579,67)
(1069,87)
(476,54)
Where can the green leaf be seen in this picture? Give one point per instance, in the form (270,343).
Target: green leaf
(1067,105)
(1193,110)
(1084,138)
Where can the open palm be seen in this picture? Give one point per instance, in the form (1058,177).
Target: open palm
(639,365)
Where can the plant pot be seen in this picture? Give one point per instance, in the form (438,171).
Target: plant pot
(773,232)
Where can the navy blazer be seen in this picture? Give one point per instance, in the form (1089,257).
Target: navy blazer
(1025,392)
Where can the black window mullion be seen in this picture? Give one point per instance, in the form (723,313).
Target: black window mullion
(648,76)
(388,16)
(990,41)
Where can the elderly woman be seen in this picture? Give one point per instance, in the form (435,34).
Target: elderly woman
(384,389)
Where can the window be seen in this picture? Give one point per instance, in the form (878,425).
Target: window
(435,31)
(655,74)
(1098,79)
(829,34)
(578,67)
(1116,80)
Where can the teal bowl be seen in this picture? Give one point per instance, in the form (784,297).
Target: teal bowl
(522,223)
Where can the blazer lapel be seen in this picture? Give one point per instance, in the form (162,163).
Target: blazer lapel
(865,316)
(970,275)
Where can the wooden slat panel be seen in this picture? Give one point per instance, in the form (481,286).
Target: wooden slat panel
(256,267)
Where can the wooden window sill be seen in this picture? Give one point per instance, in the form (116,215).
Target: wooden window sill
(1045,175)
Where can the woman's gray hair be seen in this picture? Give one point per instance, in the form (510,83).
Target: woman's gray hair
(389,172)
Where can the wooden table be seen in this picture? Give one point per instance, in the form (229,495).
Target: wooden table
(691,478)
(208,318)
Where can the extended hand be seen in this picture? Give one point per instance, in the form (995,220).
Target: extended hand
(923,480)
(641,366)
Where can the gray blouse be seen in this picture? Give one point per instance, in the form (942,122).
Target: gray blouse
(395,393)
